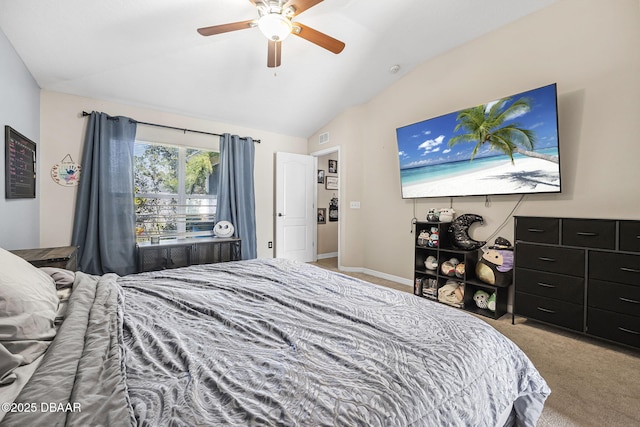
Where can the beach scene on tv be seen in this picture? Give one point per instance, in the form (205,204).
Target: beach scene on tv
(507,146)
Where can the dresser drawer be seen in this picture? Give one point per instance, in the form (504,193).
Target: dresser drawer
(550,258)
(589,233)
(550,285)
(538,230)
(614,326)
(549,310)
(614,297)
(630,236)
(615,267)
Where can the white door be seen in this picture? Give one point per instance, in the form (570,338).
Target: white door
(295,207)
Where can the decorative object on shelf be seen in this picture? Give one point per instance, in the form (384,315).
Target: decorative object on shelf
(452,293)
(434,237)
(431,263)
(481,298)
(459,231)
(423,238)
(448,268)
(66,172)
(223,229)
(322,215)
(460,270)
(496,265)
(432,215)
(446,215)
(333,208)
(440,215)
(491,302)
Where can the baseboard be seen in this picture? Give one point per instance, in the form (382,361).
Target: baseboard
(385,276)
(329,255)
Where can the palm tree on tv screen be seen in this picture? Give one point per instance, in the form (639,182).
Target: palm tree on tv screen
(487,125)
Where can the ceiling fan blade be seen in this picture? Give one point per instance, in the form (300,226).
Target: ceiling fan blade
(225,28)
(316,37)
(300,5)
(274,54)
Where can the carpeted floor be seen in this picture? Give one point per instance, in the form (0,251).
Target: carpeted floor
(592,383)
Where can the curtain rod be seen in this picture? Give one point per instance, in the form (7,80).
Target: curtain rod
(84,113)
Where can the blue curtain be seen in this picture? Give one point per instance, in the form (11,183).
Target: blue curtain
(104,221)
(236,197)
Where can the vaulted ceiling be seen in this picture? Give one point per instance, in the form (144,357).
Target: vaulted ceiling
(148,53)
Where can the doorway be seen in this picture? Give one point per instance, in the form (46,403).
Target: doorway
(328,205)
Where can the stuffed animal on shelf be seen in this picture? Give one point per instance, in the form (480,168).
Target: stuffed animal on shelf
(459,232)
(496,265)
(491,302)
(431,263)
(481,298)
(448,268)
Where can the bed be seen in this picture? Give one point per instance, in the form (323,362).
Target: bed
(268,342)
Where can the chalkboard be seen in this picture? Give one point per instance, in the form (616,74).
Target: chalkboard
(20,165)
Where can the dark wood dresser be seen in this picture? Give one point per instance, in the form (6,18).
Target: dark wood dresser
(61,257)
(183,252)
(580,274)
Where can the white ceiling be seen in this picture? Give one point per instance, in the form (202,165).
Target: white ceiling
(148,53)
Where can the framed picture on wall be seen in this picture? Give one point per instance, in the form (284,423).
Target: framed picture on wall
(20,165)
(322,215)
(333,166)
(331,183)
(320,176)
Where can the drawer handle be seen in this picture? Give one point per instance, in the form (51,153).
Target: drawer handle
(630,270)
(539,230)
(628,300)
(586,233)
(542,258)
(546,285)
(546,310)
(628,331)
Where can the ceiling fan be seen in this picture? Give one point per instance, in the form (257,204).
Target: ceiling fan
(275,22)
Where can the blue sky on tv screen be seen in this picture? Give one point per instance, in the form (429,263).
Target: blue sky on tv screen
(427,143)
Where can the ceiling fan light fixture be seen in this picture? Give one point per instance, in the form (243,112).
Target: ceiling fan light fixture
(275,26)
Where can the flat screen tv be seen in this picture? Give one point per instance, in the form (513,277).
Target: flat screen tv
(506,146)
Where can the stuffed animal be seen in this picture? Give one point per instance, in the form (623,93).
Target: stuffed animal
(459,231)
(448,268)
(431,263)
(434,237)
(496,265)
(491,302)
(481,298)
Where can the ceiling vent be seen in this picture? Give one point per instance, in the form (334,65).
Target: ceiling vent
(323,138)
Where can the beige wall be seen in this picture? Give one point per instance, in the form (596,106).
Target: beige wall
(327,242)
(62,131)
(590,48)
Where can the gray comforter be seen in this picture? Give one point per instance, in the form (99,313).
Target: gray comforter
(272,342)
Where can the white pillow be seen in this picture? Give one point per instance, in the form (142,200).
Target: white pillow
(28,305)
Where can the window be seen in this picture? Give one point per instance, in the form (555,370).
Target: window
(175,191)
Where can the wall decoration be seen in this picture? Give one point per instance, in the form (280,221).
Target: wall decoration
(20,165)
(333,166)
(320,176)
(333,209)
(66,172)
(331,183)
(322,215)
